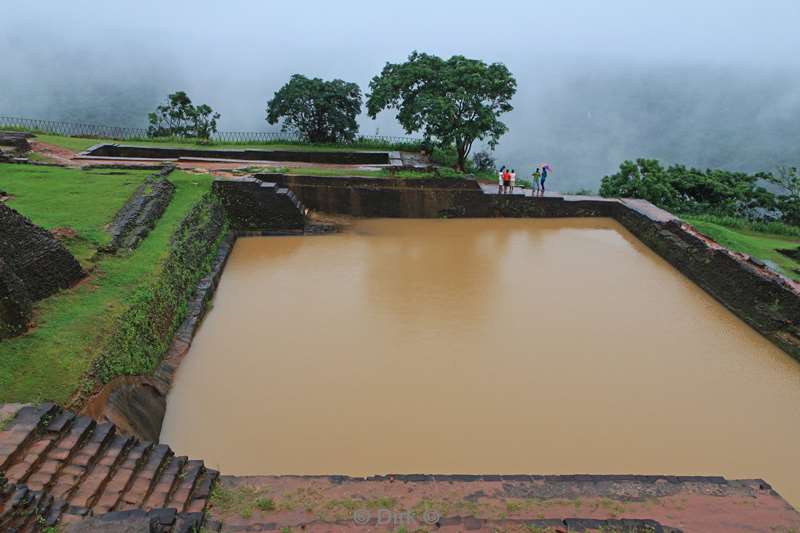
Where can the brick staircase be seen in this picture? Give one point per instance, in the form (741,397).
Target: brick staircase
(56,467)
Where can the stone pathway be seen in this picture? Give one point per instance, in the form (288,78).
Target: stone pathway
(500,503)
(56,467)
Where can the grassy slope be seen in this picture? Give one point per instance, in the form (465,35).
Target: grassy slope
(78,144)
(47,362)
(758,245)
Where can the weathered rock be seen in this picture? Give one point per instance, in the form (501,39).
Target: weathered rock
(15,303)
(41,262)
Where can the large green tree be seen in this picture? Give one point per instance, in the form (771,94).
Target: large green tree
(321,111)
(454,102)
(180,118)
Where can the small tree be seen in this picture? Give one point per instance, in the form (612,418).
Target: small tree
(320,111)
(179,118)
(453,102)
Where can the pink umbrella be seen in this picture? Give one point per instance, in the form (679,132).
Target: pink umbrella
(547,167)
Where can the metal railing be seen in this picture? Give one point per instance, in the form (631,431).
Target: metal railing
(77,129)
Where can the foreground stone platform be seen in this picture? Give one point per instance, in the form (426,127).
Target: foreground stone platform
(503,503)
(58,468)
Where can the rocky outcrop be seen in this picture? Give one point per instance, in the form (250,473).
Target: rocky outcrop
(15,303)
(142,211)
(60,467)
(41,262)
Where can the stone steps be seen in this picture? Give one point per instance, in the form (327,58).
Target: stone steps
(55,466)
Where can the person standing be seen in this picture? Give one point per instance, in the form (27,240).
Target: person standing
(500,179)
(506,181)
(545,171)
(513,180)
(536,176)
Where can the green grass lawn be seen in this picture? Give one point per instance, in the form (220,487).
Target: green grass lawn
(53,196)
(759,245)
(79,144)
(48,361)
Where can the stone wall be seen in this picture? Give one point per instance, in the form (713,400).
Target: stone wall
(35,256)
(117,151)
(16,306)
(142,211)
(16,140)
(131,397)
(252,204)
(767,301)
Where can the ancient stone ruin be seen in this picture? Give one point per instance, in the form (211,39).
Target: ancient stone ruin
(14,142)
(33,265)
(15,303)
(141,212)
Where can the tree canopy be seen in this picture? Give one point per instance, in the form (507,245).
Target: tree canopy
(320,111)
(454,102)
(179,118)
(690,190)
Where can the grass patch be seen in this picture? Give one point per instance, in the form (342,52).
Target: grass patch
(759,245)
(242,501)
(84,201)
(772,228)
(48,361)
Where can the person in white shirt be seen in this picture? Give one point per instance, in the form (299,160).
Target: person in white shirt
(500,179)
(513,180)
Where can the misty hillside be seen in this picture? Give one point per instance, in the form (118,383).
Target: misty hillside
(597,83)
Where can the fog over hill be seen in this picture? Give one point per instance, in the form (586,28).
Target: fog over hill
(714,83)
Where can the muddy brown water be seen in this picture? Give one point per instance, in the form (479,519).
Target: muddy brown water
(479,346)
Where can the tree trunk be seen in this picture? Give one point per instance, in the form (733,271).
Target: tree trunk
(462,158)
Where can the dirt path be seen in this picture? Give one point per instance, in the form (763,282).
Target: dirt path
(492,503)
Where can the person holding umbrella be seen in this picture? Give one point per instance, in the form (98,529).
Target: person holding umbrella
(535,177)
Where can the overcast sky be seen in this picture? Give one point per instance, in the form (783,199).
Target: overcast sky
(594,76)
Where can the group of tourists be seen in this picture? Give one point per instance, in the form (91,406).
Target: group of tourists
(507,179)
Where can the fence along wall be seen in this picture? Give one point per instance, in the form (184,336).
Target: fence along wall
(76,129)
